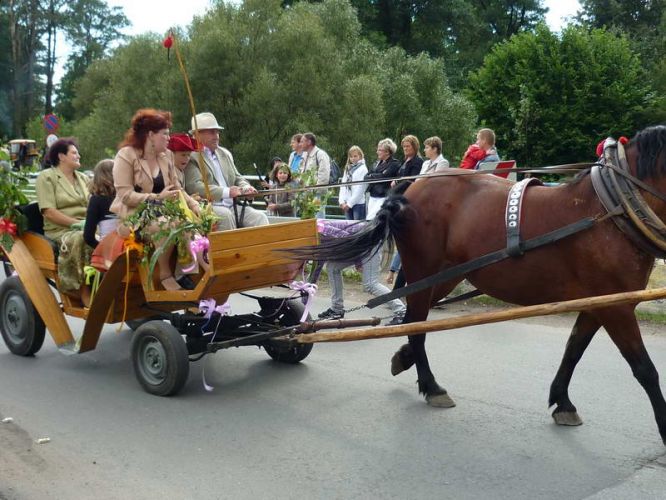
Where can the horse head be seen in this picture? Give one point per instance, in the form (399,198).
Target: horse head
(646,153)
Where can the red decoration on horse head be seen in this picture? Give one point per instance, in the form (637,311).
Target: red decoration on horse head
(600,147)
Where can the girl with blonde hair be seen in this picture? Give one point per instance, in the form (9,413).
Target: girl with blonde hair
(352,198)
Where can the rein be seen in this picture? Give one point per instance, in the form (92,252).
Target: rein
(452,172)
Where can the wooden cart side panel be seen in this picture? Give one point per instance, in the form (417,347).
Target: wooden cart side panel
(255,257)
(40,294)
(41,250)
(226,283)
(240,238)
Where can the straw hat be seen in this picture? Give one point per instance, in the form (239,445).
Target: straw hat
(205,121)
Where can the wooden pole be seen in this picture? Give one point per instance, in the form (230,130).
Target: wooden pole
(483,318)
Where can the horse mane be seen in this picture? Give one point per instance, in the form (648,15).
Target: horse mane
(651,145)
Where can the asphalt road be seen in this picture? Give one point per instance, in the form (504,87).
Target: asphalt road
(336,426)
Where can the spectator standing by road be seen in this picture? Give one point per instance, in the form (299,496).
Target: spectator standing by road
(352,198)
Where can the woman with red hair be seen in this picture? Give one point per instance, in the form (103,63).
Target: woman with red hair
(144,171)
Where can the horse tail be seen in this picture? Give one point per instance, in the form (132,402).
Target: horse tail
(364,243)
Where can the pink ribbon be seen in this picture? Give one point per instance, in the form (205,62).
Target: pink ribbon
(208,307)
(310,289)
(198,245)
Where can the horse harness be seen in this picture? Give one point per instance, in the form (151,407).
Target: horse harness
(617,190)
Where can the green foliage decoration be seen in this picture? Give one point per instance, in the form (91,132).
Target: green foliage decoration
(167,223)
(12,221)
(308,202)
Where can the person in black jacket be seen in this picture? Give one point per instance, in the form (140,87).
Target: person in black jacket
(410,166)
(386,167)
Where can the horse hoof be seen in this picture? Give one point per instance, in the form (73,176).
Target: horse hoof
(567,418)
(440,401)
(396,365)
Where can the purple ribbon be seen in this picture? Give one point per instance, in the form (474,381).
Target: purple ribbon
(310,289)
(209,306)
(198,245)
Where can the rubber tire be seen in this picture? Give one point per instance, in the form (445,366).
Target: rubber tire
(160,358)
(21,325)
(134,324)
(290,316)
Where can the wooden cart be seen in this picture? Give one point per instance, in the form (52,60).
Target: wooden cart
(165,337)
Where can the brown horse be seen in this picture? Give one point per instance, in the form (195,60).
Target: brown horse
(441,222)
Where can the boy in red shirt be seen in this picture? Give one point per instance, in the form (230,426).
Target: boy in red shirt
(484,147)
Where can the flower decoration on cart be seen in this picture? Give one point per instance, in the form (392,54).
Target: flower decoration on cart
(171,222)
(12,221)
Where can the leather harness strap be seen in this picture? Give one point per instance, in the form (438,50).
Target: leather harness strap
(514,205)
(485,260)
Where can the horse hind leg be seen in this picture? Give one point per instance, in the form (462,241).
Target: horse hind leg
(582,333)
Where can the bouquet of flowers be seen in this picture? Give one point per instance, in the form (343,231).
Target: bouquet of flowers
(172,223)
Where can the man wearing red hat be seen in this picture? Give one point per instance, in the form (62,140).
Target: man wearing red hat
(224,180)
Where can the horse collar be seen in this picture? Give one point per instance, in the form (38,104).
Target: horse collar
(616,189)
(513,214)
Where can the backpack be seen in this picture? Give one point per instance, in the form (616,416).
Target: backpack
(335,172)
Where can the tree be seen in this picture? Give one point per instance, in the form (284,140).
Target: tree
(550,99)
(268,72)
(54,18)
(25,30)
(459,31)
(92,26)
(644,22)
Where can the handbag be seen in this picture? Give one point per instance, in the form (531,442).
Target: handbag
(107,251)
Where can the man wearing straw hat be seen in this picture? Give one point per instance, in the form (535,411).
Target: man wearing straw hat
(224,180)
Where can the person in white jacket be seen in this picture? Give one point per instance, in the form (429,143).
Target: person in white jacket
(352,198)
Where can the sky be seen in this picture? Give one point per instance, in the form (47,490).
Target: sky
(160,15)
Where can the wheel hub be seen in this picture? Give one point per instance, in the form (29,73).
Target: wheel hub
(153,361)
(13,318)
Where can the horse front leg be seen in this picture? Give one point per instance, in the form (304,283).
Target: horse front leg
(414,352)
(428,386)
(623,329)
(582,333)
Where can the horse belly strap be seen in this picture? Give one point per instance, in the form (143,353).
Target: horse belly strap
(513,215)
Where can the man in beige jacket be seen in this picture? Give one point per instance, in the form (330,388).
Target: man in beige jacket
(224,180)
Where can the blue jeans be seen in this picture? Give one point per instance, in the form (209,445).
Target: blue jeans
(395,263)
(357,212)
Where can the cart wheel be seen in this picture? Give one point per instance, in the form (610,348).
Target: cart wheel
(22,327)
(134,324)
(160,358)
(8,268)
(290,315)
